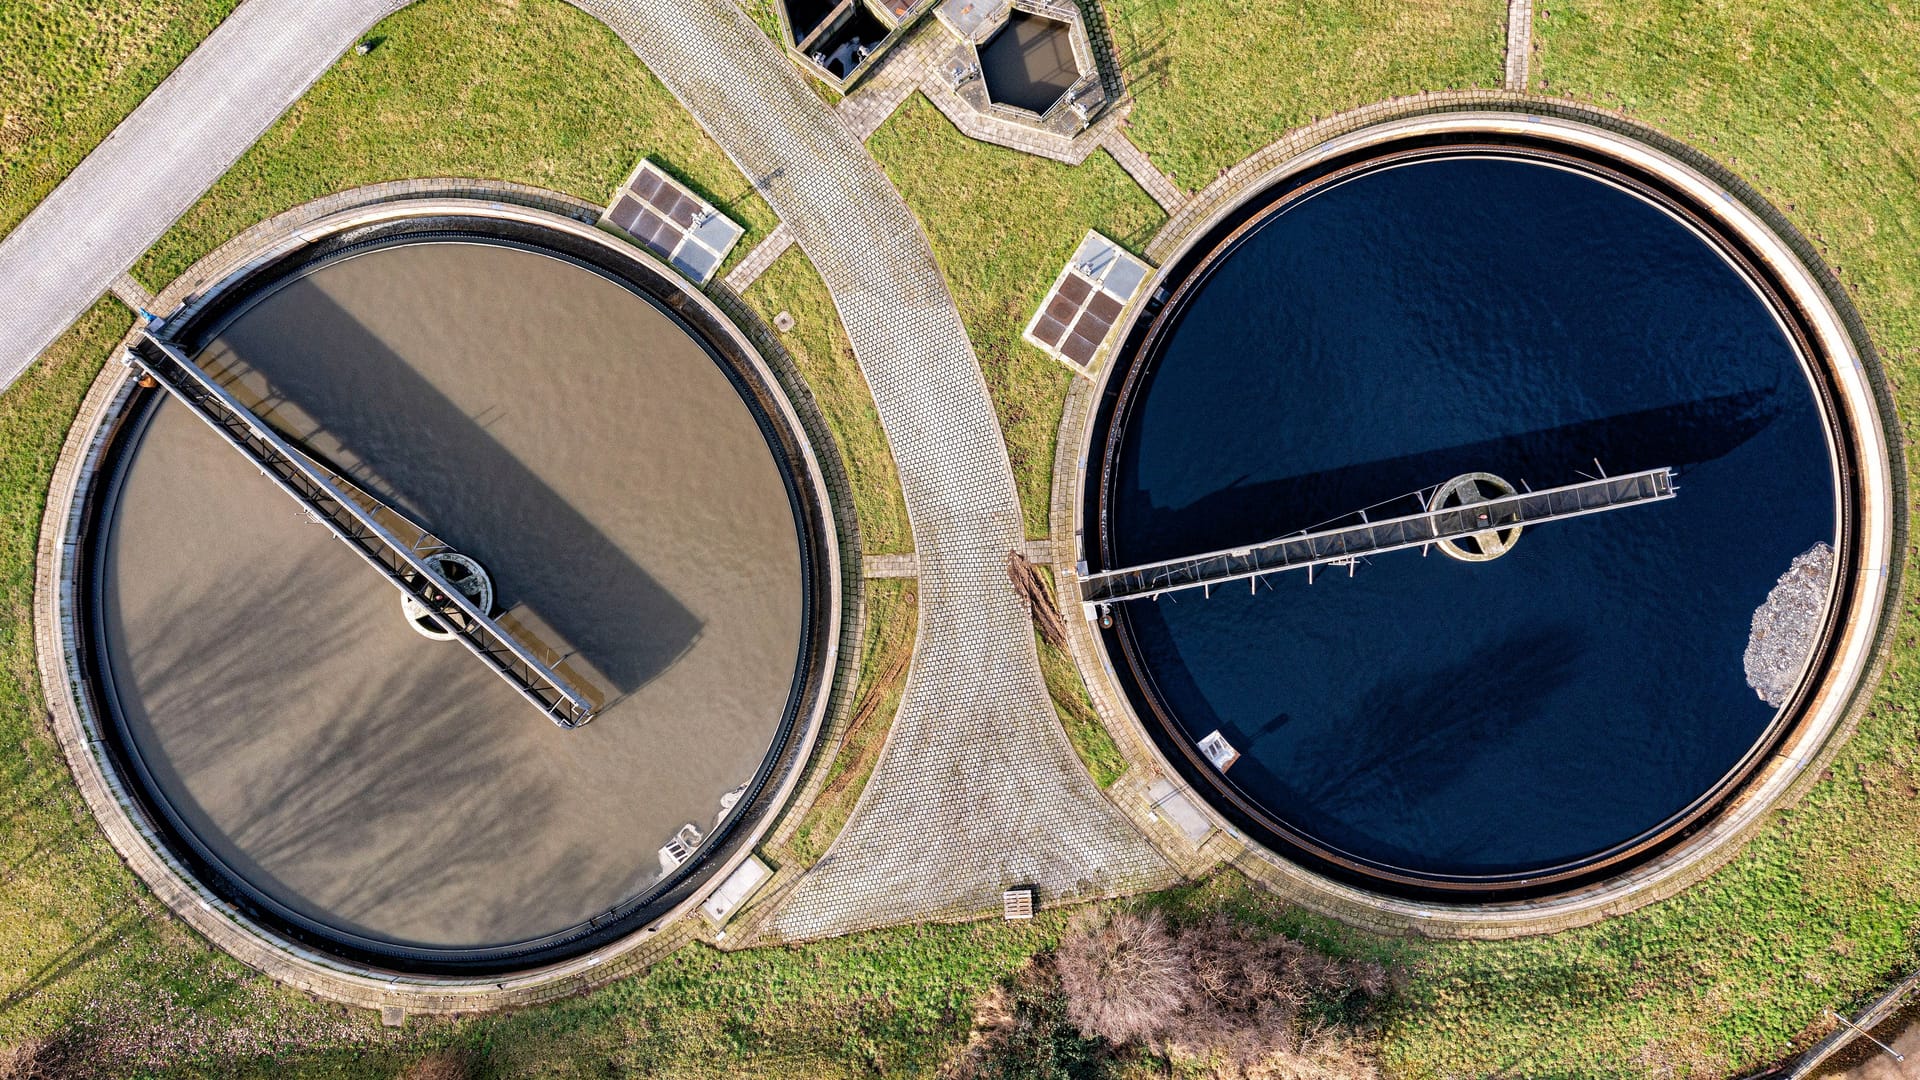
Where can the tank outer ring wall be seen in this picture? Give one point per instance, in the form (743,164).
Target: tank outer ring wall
(1858,418)
(603,951)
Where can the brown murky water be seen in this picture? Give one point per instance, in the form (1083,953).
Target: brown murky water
(606,472)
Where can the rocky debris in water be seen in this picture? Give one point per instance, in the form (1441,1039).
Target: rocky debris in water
(1784,626)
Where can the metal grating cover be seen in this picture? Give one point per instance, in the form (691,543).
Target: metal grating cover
(673,222)
(1086,302)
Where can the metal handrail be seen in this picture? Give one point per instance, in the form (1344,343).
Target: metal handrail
(1306,550)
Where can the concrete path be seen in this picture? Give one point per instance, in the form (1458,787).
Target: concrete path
(978,788)
(161,159)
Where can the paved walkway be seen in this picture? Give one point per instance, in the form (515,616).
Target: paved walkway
(977,789)
(763,255)
(1144,171)
(161,159)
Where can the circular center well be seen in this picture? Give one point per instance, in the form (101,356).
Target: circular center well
(362,782)
(1352,342)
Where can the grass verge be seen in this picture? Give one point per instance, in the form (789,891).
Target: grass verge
(1075,709)
(489,89)
(1001,224)
(1215,80)
(819,346)
(72,69)
(893,615)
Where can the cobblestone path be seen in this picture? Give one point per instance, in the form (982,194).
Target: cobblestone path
(161,159)
(977,788)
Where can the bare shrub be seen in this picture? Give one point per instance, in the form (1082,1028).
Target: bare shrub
(440,1065)
(1219,993)
(35,1059)
(1126,980)
(1021,1032)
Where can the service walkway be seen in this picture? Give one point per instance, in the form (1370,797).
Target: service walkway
(1342,545)
(977,788)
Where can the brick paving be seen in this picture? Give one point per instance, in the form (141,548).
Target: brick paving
(1519,43)
(895,79)
(977,789)
(131,293)
(1131,158)
(891,566)
(159,161)
(762,256)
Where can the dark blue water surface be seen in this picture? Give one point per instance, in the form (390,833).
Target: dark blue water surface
(1441,317)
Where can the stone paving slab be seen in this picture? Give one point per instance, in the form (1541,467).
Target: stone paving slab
(1131,158)
(898,75)
(161,159)
(131,293)
(891,566)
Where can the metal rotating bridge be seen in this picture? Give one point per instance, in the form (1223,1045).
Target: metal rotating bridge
(1343,546)
(370,528)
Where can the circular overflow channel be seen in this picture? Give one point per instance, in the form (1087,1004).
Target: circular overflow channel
(602,462)
(1426,321)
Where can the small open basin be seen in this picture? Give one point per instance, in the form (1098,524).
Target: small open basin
(1028,63)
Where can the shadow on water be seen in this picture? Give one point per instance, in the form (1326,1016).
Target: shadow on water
(1419,730)
(1410,733)
(435,462)
(400,809)
(1240,513)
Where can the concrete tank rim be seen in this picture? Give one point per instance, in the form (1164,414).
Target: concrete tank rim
(125,823)
(1860,391)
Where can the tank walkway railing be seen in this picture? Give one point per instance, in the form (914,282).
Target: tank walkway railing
(1341,546)
(314,488)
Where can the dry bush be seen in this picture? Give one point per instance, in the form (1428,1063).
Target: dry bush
(1125,980)
(1021,1032)
(440,1065)
(1217,993)
(35,1059)
(1325,1053)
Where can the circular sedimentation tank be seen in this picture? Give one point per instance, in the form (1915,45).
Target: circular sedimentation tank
(636,494)
(1451,301)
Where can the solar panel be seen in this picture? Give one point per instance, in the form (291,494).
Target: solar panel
(664,217)
(1085,304)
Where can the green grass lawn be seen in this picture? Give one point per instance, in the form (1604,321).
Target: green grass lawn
(1084,730)
(72,69)
(819,346)
(1816,106)
(83,947)
(1002,224)
(893,613)
(1215,80)
(533,91)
